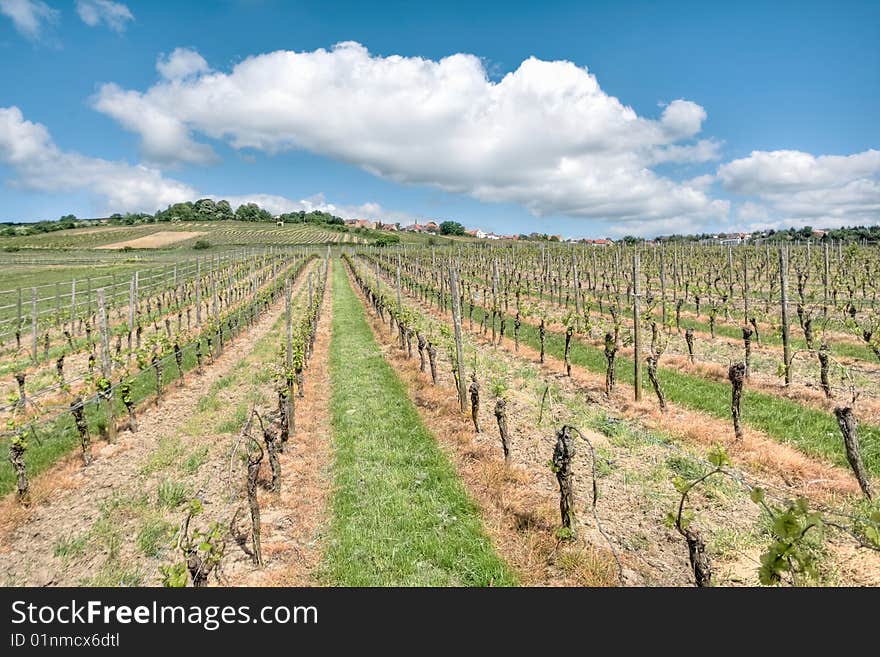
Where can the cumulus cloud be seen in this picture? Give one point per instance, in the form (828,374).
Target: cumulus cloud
(800,188)
(545,136)
(181,63)
(30,17)
(114,15)
(28,150)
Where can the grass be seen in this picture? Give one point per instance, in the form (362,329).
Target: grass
(401,516)
(168,451)
(236,422)
(172,494)
(70,546)
(195,460)
(153,535)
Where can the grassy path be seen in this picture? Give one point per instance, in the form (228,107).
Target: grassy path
(401,516)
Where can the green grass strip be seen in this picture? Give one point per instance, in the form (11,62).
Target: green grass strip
(401,516)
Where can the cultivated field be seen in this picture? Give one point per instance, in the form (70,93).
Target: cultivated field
(220,233)
(156,240)
(269,412)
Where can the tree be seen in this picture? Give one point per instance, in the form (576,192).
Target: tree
(205,209)
(223,211)
(385,240)
(451,228)
(252,212)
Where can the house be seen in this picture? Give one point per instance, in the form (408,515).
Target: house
(492,236)
(360,223)
(480,233)
(431,227)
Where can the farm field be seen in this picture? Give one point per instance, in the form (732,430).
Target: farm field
(219,233)
(278,412)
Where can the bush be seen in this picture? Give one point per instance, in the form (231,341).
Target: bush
(202,244)
(386,240)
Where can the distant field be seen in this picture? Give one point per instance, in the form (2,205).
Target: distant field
(155,240)
(221,233)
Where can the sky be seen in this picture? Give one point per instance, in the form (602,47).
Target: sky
(585,119)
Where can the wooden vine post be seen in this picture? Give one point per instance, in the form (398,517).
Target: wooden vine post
(663,284)
(34,324)
(288,365)
(786,340)
(637,332)
(456,322)
(19,322)
(825,270)
(199,292)
(219,329)
(106,390)
(399,302)
(72,306)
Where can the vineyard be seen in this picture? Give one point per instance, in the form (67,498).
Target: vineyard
(221,233)
(273,412)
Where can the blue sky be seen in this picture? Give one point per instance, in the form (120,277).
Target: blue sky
(679,116)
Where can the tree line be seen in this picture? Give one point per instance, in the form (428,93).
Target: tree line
(202,210)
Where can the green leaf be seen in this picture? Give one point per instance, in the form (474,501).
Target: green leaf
(757,495)
(718,457)
(680,484)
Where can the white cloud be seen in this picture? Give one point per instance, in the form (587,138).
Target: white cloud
(804,189)
(114,15)
(28,149)
(281,204)
(750,211)
(30,17)
(180,64)
(545,136)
